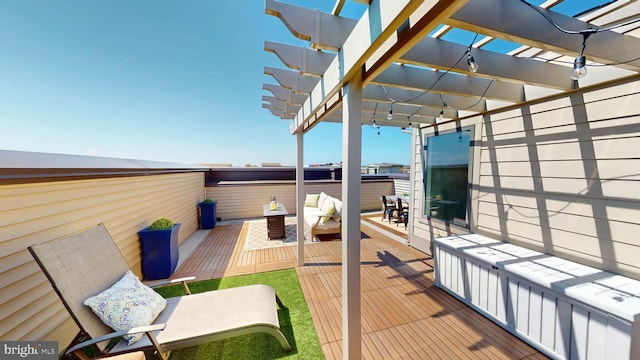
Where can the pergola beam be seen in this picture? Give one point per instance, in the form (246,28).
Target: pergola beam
(308,62)
(369,34)
(292,80)
(515,21)
(410,97)
(441,54)
(418,79)
(322,30)
(285,95)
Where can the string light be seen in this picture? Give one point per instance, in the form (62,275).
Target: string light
(390,115)
(579,68)
(473,66)
(580,63)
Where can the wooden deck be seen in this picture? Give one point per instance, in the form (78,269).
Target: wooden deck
(404,316)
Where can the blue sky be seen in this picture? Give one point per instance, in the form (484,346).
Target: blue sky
(155,80)
(159,80)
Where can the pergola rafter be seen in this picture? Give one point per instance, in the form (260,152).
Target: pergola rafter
(538,68)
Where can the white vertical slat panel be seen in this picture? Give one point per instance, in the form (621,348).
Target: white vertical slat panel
(474,282)
(580,327)
(597,337)
(452,274)
(512,306)
(439,266)
(563,329)
(522,316)
(502,299)
(621,332)
(484,288)
(492,292)
(548,327)
(535,313)
(463,286)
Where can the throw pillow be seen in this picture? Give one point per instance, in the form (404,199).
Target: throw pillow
(311,200)
(338,213)
(322,199)
(328,209)
(127,304)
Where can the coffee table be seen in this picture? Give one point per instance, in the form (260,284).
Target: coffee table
(275,221)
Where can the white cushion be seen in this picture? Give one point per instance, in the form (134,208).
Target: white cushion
(127,304)
(323,197)
(338,213)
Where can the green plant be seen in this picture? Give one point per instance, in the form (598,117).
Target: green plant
(208,201)
(161,224)
(406,194)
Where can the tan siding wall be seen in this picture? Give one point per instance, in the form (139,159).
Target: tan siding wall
(246,200)
(562,177)
(39,212)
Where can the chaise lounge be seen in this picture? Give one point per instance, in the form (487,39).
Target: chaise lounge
(89,263)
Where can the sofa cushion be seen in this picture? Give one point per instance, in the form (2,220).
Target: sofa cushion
(337,215)
(323,197)
(328,208)
(330,224)
(311,200)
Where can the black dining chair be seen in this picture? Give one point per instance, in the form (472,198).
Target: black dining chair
(401,211)
(386,208)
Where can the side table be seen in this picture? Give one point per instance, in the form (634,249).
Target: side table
(275,221)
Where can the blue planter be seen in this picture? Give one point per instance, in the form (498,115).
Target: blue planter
(159,252)
(208,215)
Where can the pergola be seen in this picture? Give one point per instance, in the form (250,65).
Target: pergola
(400,65)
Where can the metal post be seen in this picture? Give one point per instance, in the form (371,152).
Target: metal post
(300,196)
(351,183)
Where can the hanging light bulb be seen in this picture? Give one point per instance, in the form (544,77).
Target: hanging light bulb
(441,116)
(579,67)
(373,123)
(473,66)
(390,115)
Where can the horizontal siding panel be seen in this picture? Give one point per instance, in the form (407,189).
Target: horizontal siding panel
(617,210)
(603,149)
(613,91)
(241,201)
(597,169)
(39,212)
(589,245)
(613,107)
(620,189)
(586,225)
(45,317)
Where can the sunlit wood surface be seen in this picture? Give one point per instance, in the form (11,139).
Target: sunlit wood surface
(404,316)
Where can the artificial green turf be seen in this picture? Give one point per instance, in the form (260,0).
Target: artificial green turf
(295,322)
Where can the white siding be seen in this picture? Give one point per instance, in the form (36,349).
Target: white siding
(243,200)
(39,212)
(558,176)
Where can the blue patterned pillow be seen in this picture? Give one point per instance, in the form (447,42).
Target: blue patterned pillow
(127,304)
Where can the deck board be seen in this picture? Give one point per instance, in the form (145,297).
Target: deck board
(404,315)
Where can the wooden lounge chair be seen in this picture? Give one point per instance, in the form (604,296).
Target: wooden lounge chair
(83,265)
